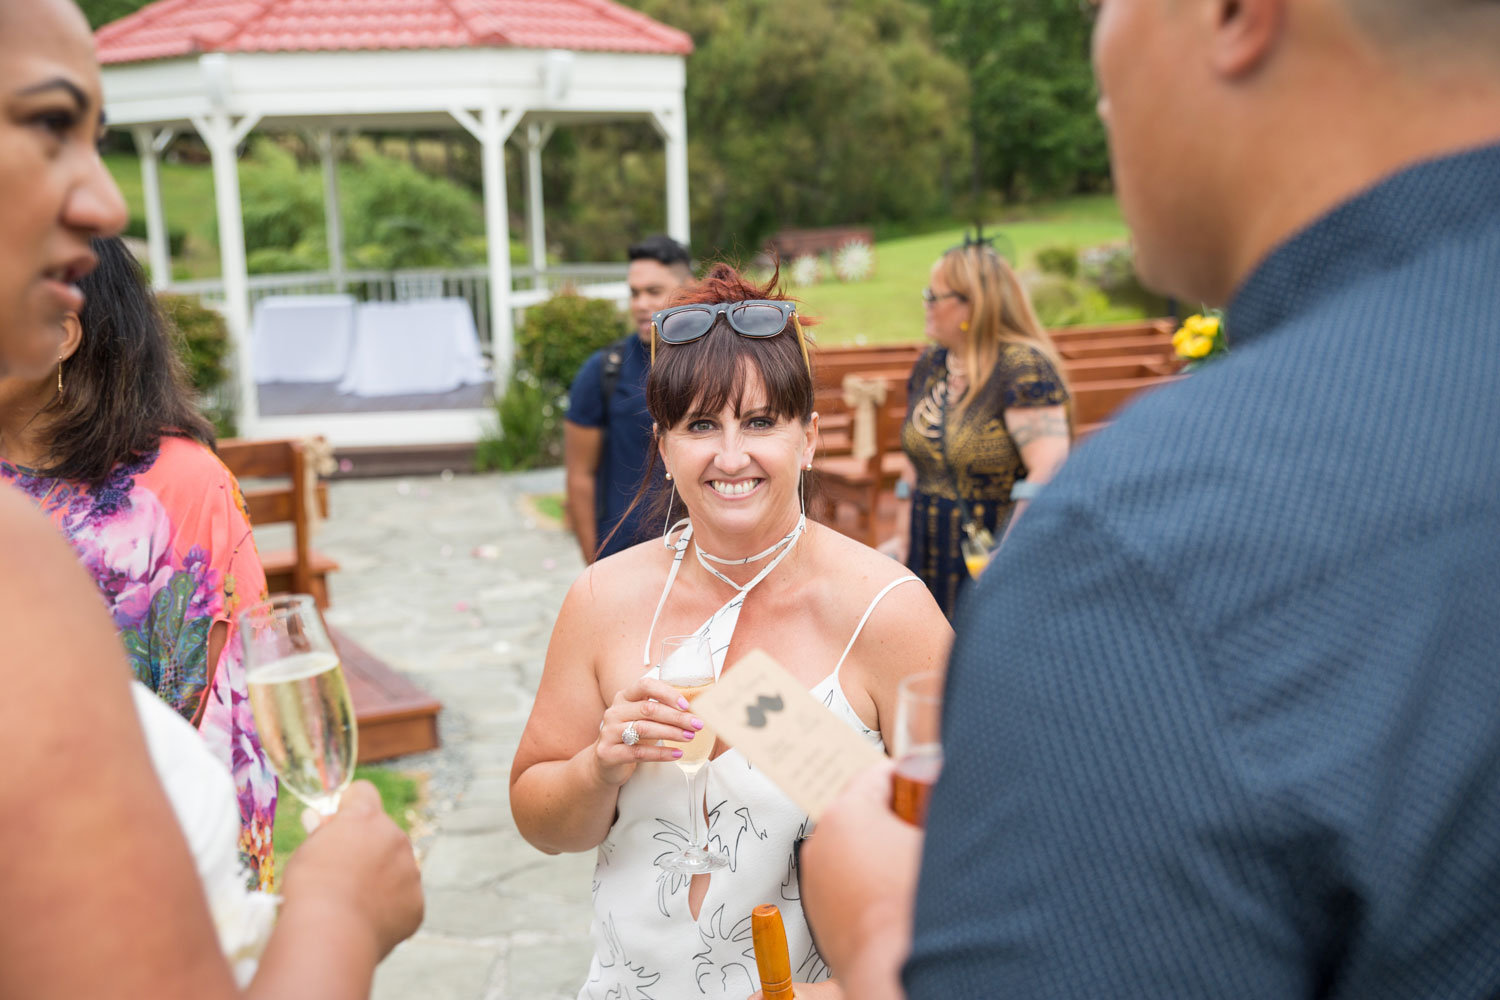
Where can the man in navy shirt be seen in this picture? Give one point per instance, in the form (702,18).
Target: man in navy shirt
(606,441)
(1223,715)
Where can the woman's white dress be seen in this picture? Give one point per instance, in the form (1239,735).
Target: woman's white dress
(647,943)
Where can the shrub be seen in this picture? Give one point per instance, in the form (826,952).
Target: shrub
(1061,301)
(283,206)
(558,336)
(399,217)
(1112,268)
(807,270)
(527,432)
(176,237)
(1058,259)
(854,261)
(202,340)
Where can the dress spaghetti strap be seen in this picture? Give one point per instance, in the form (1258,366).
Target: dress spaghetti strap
(866,617)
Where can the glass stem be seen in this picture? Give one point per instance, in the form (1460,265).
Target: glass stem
(695,809)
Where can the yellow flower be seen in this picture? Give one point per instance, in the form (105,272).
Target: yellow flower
(1180,338)
(1197,347)
(1208,326)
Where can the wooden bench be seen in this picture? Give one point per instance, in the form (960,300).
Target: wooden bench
(859,484)
(1095,402)
(300,569)
(395,717)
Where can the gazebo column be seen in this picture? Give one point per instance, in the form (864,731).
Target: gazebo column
(536,230)
(223,137)
(333,219)
(148,144)
(492,128)
(671,125)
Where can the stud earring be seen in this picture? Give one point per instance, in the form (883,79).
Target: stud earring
(669,477)
(809,466)
(964,326)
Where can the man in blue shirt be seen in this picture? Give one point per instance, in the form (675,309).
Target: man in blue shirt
(607,432)
(1223,716)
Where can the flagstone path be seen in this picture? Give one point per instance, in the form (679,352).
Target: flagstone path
(456,581)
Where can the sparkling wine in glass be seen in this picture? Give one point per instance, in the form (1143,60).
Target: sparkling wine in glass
(300,700)
(918,744)
(687,664)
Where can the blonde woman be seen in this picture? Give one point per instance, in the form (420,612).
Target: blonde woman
(987,419)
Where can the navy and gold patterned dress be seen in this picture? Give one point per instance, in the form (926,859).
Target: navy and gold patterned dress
(982,460)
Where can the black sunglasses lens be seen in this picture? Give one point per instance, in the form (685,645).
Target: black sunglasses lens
(686,326)
(758,320)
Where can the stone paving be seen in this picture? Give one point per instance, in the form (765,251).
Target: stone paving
(454,581)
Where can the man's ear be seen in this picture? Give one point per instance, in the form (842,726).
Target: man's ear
(1244,33)
(72,336)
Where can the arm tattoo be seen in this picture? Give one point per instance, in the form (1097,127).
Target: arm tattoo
(1024,430)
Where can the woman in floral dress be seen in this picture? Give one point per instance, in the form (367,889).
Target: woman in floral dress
(112,449)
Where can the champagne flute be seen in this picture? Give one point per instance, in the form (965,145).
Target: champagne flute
(918,744)
(300,699)
(687,664)
(977,545)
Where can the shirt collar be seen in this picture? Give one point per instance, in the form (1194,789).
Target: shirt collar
(1379,229)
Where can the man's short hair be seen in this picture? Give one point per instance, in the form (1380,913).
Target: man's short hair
(662,249)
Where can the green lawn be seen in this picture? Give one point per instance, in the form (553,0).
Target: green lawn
(399,793)
(888,307)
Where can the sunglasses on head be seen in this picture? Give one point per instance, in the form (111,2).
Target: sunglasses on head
(759,318)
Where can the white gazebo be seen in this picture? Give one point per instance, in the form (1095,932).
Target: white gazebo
(503,70)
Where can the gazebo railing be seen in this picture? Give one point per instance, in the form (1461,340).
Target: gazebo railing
(472,284)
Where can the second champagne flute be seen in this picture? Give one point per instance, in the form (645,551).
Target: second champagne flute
(918,744)
(687,664)
(299,699)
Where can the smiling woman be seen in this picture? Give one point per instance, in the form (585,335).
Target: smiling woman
(731,395)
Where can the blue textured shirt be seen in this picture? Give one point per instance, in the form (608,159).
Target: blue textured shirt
(623,460)
(1223,717)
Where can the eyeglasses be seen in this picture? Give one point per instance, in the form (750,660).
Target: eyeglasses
(757,318)
(930,297)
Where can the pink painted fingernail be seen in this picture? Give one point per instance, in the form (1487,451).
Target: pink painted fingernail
(688,734)
(676,754)
(697,722)
(683,704)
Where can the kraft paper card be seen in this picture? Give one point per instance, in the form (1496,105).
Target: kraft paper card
(765,713)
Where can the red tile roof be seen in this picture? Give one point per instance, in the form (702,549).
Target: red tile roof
(169,28)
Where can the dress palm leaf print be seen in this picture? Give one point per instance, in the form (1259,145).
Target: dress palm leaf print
(728,957)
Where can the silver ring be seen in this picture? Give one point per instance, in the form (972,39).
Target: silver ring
(630,737)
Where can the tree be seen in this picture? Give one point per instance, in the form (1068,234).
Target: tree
(101,12)
(1032,94)
(815,113)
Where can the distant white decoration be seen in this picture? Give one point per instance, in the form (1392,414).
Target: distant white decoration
(854,261)
(807,270)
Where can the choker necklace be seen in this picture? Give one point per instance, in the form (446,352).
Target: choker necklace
(784,546)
